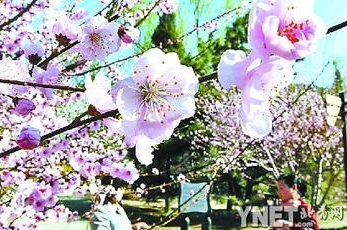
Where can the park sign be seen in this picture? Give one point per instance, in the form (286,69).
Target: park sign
(333,104)
(194,197)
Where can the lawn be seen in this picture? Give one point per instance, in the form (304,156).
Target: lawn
(152,212)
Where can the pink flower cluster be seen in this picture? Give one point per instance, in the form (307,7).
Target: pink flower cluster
(279,32)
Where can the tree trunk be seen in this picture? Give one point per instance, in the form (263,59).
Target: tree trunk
(316,183)
(167,197)
(230,192)
(249,188)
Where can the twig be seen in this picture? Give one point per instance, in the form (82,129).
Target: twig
(20,14)
(34,84)
(53,55)
(208,77)
(142,19)
(337,27)
(106,65)
(72,125)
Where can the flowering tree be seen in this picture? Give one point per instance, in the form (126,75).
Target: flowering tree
(301,140)
(69,115)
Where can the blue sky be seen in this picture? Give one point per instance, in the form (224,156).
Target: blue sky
(332,46)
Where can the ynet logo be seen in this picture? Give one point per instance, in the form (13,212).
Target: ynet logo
(274,216)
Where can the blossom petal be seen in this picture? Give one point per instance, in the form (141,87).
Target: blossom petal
(127,82)
(180,79)
(131,132)
(128,102)
(97,93)
(148,66)
(113,125)
(184,105)
(257,121)
(231,70)
(276,44)
(157,131)
(143,150)
(275,72)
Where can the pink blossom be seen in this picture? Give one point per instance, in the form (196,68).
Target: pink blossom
(64,30)
(288,29)
(32,51)
(39,216)
(119,155)
(144,149)
(258,81)
(99,39)
(6,177)
(116,169)
(51,201)
(24,106)
(29,138)
(129,174)
(98,93)
(128,34)
(233,68)
(89,169)
(79,14)
(256,119)
(39,205)
(154,101)
(51,214)
(49,76)
(42,191)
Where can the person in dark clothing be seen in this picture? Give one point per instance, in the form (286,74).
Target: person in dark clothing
(291,191)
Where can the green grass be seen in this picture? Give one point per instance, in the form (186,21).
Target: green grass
(152,212)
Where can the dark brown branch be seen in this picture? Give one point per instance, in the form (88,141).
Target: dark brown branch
(72,125)
(53,55)
(74,65)
(208,77)
(114,17)
(106,65)
(20,14)
(337,27)
(100,11)
(34,84)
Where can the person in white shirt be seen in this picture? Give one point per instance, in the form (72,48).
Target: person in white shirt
(111,215)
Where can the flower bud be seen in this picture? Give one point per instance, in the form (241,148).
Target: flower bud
(29,138)
(128,34)
(33,52)
(24,106)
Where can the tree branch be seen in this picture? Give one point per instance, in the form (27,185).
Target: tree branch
(337,27)
(20,14)
(106,65)
(53,55)
(208,77)
(72,125)
(34,84)
(144,18)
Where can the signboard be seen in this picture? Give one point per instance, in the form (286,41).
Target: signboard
(199,199)
(333,108)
